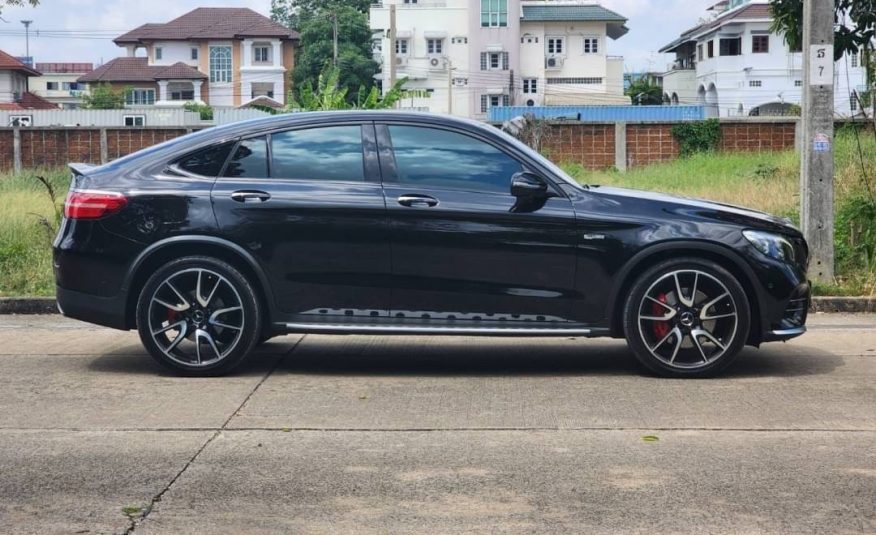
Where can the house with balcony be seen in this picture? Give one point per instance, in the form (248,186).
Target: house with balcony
(59,83)
(224,57)
(466,56)
(15,92)
(734,65)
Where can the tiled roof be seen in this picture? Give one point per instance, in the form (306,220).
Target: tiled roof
(210,23)
(9,63)
(28,101)
(548,12)
(138,70)
(262,101)
(746,12)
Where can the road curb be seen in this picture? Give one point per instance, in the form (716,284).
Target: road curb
(47,305)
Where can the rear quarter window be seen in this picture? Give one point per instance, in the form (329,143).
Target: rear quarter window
(206,162)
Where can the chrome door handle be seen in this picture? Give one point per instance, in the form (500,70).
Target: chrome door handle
(423,201)
(250,196)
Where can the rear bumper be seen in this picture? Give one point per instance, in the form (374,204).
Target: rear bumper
(106,311)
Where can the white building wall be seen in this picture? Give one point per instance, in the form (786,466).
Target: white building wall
(66,98)
(174,52)
(270,72)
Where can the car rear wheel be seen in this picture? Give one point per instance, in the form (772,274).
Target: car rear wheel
(687,317)
(198,316)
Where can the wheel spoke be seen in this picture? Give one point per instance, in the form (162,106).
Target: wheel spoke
(702,332)
(201,333)
(224,325)
(205,301)
(179,337)
(186,304)
(696,342)
(679,338)
(221,311)
(175,308)
(169,327)
(714,302)
(693,293)
(681,298)
(664,339)
(706,317)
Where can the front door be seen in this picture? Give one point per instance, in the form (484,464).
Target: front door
(463,247)
(308,204)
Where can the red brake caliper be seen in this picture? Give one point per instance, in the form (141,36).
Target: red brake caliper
(661,328)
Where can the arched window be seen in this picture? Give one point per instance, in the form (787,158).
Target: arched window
(220,64)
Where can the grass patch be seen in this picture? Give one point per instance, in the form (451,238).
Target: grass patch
(25,245)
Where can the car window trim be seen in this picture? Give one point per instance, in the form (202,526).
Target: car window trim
(390,169)
(374,171)
(174,166)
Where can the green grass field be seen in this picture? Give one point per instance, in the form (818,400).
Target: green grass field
(765,181)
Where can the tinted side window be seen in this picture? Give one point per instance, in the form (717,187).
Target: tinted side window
(206,162)
(329,153)
(432,157)
(250,160)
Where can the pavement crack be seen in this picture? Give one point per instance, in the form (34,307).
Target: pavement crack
(137,520)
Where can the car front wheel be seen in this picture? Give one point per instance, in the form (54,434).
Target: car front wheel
(198,316)
(687,317)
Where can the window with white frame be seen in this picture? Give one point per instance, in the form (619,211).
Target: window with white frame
(755,83)
(435,46)
(798,83)
(158,52)
(51,86)
(140,97)
(492,101)
(401,47)
(853,58)
(591,45)
(134,120)
(220,64)
(853,101)
(556,45)
(494,61)
(194,53)
(494,13)
(530,86)
(263,89)
(261,53)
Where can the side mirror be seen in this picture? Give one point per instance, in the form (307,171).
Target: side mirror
(526,185)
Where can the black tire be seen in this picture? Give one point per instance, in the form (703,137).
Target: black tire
(230,321)
(690,337)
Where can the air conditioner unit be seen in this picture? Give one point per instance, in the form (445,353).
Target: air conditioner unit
(401,60)
(460,82)
(437,63)
(553,62)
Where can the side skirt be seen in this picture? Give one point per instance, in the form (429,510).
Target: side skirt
(450,330)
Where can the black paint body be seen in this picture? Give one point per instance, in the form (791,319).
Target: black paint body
(335,251)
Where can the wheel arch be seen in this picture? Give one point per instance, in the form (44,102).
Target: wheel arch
(653,254)
(163,251)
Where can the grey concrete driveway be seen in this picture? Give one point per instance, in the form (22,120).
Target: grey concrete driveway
(358,434)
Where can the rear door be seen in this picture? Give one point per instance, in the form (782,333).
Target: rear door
(308,204)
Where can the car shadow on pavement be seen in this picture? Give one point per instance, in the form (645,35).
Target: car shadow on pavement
(502,357)
(375,356)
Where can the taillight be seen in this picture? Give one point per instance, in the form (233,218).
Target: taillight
(93,204)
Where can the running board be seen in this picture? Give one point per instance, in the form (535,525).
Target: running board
(338,328)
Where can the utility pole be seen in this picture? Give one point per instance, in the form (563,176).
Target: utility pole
(335,38)
(511,88)
(392,31)
(816,177)
(449,87)
(27,24)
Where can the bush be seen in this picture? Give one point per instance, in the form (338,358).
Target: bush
(204,110)
(697,137)
(855,238)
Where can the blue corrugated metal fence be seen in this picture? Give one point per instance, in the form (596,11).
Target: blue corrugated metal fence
(601,113)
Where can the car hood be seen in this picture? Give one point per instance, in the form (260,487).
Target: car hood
(700,208)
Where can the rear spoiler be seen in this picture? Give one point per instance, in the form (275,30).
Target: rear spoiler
(81,169)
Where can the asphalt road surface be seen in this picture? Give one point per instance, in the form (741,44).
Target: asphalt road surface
(366,434)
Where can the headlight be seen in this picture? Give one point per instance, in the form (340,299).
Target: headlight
(772,245)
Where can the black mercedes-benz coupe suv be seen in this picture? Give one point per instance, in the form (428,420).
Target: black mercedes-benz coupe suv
(404,223)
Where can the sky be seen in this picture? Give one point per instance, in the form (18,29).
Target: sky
(652,24)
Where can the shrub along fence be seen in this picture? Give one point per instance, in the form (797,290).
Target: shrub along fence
(592,145)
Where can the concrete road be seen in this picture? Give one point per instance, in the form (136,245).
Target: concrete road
(332,434)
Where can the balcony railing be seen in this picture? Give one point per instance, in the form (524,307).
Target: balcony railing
(433,3)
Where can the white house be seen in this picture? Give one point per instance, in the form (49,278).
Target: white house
(734,65)
(59,83)
(465,56)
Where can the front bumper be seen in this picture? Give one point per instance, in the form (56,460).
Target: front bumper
(106,311)
(780,335)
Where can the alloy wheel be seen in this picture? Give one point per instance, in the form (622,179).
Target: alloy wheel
(196,317)
(688,319)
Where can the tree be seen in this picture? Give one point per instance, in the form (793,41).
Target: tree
(355,57)
(289,12)
(104,97)
(855,24)
(644,93)
(330,95)
(18,3)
